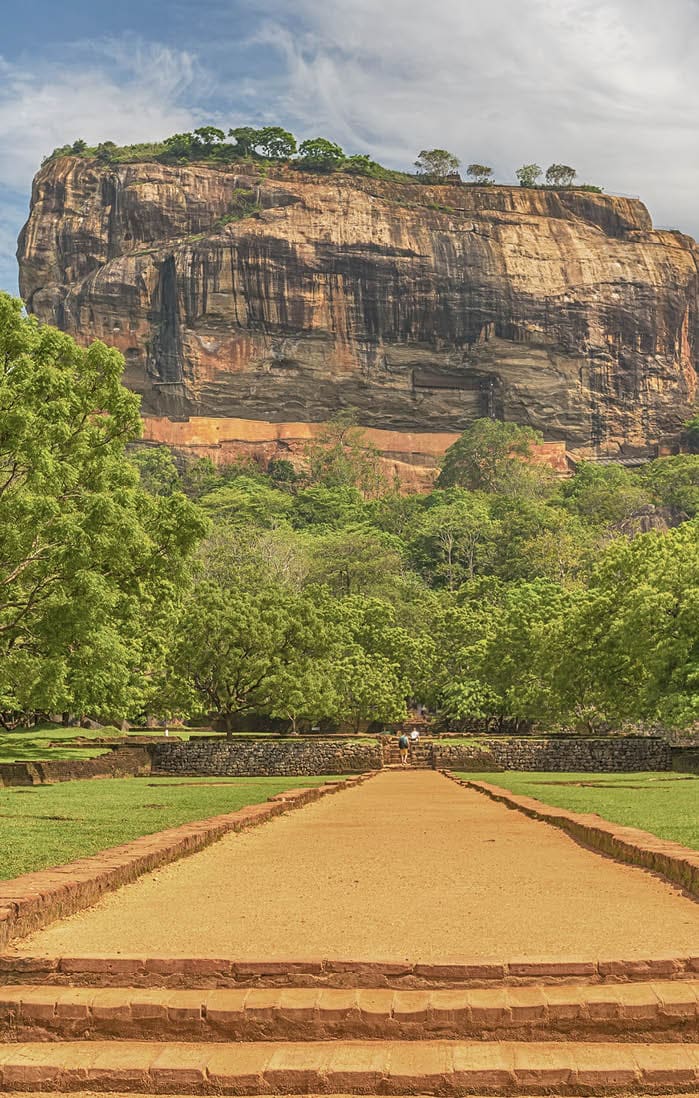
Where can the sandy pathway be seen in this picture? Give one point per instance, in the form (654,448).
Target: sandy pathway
(409,866)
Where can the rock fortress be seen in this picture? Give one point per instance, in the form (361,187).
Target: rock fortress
(251,309)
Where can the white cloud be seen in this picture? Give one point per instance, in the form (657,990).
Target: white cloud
(13,210)
(607,85)
(124,91)
(119,91)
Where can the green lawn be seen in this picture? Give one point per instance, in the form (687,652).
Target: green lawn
(47,825)
(665,803)
(29,744)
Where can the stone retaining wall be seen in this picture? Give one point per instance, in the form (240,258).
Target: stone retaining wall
(125,762)
(261,758)
(614,755)
(685,759)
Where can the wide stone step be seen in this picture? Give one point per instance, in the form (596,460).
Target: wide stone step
(224,972)
(663,1010)
(352,1067)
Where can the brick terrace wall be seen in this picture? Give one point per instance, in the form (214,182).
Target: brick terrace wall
(263,759)
(615,755)
(126,762)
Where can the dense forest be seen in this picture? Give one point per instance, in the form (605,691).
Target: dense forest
(133,582)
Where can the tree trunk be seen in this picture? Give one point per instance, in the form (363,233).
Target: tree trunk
(228,722)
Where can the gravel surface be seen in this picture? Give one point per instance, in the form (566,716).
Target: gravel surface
(408,866)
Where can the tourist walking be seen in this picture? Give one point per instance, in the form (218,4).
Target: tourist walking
(403,745)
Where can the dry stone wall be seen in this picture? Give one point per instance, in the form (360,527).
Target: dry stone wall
(306,757)
(126,762)
(259,758)
(614,755)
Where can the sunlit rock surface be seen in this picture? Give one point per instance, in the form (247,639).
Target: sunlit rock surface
(282,300)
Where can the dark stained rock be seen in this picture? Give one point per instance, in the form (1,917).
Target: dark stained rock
(290,297)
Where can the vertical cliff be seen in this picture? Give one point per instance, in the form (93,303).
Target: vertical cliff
(283,299)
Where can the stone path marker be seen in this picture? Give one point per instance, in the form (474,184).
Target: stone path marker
(409,870)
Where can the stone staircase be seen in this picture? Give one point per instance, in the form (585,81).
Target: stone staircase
(343,1029)
(420,756)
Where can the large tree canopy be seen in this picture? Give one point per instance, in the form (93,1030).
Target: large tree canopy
(319,591)
(491,456)
(90,564)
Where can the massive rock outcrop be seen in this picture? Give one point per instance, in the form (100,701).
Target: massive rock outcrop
(282,299)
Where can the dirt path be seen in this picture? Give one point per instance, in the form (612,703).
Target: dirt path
(409,866)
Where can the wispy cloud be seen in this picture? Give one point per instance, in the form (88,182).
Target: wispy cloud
(13,210)
(607,85)
(120,91)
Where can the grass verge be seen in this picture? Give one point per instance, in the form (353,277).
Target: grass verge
(34,744)
(664,803)
(47,825)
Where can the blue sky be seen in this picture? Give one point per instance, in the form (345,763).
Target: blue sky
(609,86)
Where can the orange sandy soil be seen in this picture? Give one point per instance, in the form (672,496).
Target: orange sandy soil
(408,866)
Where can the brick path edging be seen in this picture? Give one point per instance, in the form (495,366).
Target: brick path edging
(221,973)
(33,900)
(678,864)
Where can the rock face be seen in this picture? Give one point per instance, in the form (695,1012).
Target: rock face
(287,298)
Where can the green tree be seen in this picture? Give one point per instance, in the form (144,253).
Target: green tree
(323,508)
(691,434)
(180,146)
(367,688)
(437,164)
(243,556)
(282,473)
(92,568)
(480,174)
(78,147)
(454,538)
(460,635)
(356,560)
(157,470)
(540,540)
(274,143)
(198,477)
(529,175)
(628,647)
(560,175)
(305,691)
(361,164)
(246,139)
(320,155)
(341,455)
(60,150)
(373,624)
(106,152)
(248,502)
(207,137)
(513,663)
(238,648)
(398,513)
(605,495)
(674,482)
(489,457)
